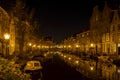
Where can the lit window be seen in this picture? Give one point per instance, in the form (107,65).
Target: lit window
(87,33)
(96,17)
(82,35)
(107,37)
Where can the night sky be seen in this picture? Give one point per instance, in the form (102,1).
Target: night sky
(63,18)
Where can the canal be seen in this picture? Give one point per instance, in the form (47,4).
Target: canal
(62,66)
(96,70)
(56,69)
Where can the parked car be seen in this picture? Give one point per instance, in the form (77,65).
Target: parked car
(34,68)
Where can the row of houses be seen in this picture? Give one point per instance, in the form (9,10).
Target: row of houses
(8,25)
(18,34)
(102,36)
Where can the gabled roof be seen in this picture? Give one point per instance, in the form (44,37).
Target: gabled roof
(4,12)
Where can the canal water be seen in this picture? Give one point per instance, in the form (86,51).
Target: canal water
(56,69)
(96,70)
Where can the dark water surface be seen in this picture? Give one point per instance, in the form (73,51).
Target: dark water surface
(56,69)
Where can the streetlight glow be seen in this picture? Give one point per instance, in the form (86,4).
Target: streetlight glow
(34,45)
(69,58)
(91,68)
(76,45)
(77,62)
(30,44)
(6,36)
(91,45)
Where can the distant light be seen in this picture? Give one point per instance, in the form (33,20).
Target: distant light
(34,45)
(118,70)
(91,45)
(76,61)
(91,68)
(38,46)
(64,56)
(64,46)
(118,45)
(77,46)
(69,46)
(45,55)
(30,44)
(61,54)
(69,58)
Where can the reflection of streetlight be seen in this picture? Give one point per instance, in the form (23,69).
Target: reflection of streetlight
(64,56)
(7,37)
(34,45)
(30,44)
(69,46)
(91,68)
(76,62)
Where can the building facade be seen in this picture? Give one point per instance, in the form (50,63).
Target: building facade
(4,28)
(103,36)
(104,26)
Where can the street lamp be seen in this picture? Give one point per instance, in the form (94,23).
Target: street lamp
(30,44)
(29,47)
(92,49)
(7,37)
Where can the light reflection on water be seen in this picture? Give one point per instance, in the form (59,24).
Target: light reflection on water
(92,69)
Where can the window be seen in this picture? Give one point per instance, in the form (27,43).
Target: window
(96,18)
(82,35)
(113,38)
(36,64)
(118,26)
(107,37)
(113,28)
(87,33)
(107,29)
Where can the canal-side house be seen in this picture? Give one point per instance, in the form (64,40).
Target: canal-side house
(83,40)
(103,35)
(4,28)
(115,33)
(104,29)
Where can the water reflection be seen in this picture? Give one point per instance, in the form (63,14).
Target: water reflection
(93,69)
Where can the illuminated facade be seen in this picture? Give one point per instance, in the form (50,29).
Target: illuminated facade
(12,37)
(103,36)
(104,27)
(83,40)
(4,28)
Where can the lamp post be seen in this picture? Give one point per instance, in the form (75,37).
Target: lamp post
(92,49)
(29,47)
(7,37)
